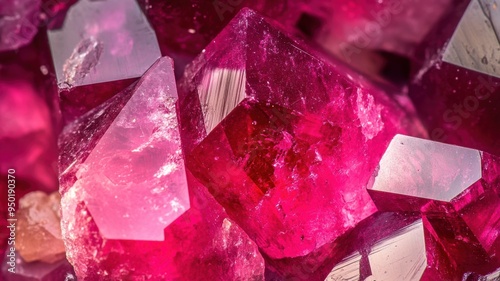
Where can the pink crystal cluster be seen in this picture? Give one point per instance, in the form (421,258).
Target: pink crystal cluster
(249,140)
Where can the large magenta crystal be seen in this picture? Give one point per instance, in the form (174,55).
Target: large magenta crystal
(100,41)
(291,139)
(126,183)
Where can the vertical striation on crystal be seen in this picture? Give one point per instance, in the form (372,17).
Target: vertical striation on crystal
(291,140)
(125,195)
(100,49)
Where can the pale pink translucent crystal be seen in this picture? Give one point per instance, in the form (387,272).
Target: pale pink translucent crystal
(138,158)
(202,244)
(126,209)
(18,23)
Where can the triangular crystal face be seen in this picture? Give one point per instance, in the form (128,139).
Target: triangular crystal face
(475,43)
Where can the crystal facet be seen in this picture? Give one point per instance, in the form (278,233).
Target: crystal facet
(97,50)
(455,92)
(125,195)
(282,125)
(456,188)
(422,170)
(392,247)
(138,156)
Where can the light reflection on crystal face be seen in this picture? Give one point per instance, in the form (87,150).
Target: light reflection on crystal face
(398,257)
(426,169)
(474,45)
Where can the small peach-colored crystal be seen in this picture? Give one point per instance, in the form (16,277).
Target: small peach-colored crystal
(38,228)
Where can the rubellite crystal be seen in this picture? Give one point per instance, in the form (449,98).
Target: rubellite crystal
(282,125)
(456,92)
(456,188)
(38,228)
(276,161)
(18,23)
(98,51)
(125,195)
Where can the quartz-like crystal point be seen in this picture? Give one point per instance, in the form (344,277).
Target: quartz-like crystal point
(456,188)
(291,139)
(137,157)
(18,23)
(456,90)
(100,46)
(38,270)
(38,228)
(126,209)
